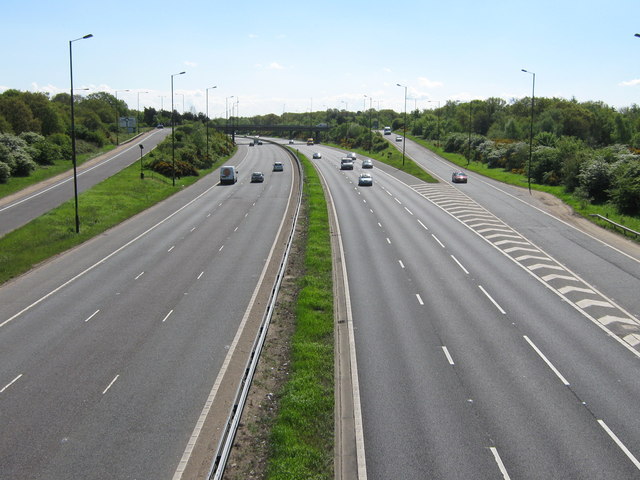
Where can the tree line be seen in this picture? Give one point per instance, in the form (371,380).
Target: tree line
(35,132)
(589,148)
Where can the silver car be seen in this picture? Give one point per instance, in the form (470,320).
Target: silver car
(365,180)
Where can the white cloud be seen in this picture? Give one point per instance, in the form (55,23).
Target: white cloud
(275,66)
(425,82)
(190,64)
(630,83)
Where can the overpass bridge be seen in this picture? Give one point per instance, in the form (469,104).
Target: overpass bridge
(289,131)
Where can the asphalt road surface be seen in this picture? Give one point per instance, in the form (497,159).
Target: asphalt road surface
(109,353)
(492,340)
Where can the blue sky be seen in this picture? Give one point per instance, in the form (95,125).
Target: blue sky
(294,56)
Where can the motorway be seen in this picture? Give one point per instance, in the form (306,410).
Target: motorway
(110,353)
(484,348)
(22,207)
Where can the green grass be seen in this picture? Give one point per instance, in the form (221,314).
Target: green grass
(302,438)
(579,205)
(100,208)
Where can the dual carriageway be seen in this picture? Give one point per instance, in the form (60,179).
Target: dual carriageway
(488,337)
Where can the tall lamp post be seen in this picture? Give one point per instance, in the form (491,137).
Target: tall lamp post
(138,119)
(404,127)
(207,115)
(226,110)
(533,93)
(173,137)
(117,119)
(437,120)
(73,132)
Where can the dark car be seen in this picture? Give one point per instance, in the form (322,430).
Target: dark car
(459,177)
(257,177)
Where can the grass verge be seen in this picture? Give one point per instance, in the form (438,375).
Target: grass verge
(579,205)
(100,208)
(302,437)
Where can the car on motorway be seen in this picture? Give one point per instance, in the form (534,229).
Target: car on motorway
(251,144)
(398,138)
(160,125)
(365,180)
(228,175)
(290,142)
(352,156)
(259,142)
(317,155)
(257,177)
(459,177)
(278,167)
(367,163)
(346,164)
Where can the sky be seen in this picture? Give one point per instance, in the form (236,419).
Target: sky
(291,56)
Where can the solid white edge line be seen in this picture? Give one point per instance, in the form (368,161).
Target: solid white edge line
(546,360)
(492,300)
(615,438)
(104,259)
(448,355)
(355,382)
(498,460)
(11,383)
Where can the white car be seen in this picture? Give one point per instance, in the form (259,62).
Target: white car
(278,167)
(365,180)
(367,163)
(317,155)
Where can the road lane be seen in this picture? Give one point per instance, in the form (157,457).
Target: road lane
(22,207)
(500,407)
(116,365)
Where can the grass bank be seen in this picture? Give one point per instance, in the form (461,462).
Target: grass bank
(100,208)
(302,437)
(580,205)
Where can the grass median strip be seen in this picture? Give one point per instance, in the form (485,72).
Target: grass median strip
(302,437)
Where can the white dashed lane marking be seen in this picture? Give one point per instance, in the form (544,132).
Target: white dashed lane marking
(557,277)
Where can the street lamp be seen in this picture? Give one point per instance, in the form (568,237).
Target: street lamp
(404,128)
(370,132)
(207,119)
(437,120)
(533,93)
(73,132)
(173,137)
(141,172)
(226,111)
(138,120)
(117,119)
